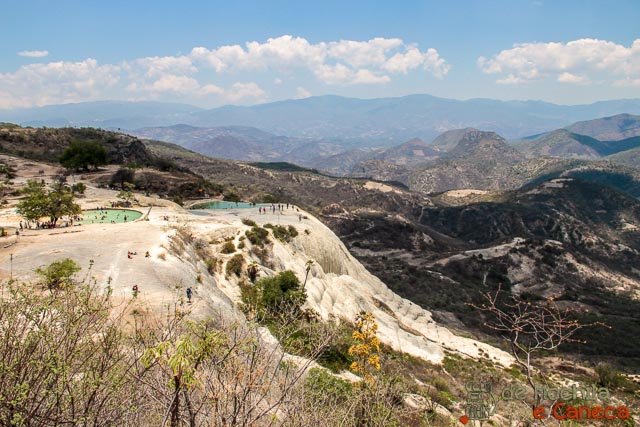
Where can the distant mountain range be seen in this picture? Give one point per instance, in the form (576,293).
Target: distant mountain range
(613,128)
(395,139)
(563,143)
(485,161)
(368,122)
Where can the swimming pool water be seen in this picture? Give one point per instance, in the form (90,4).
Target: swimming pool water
(105,216)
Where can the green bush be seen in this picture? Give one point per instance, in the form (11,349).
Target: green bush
(234,265)
(282,233)
(269,296)
(79,188)
(322,386)
(211,265)
(231,197)
(228,248)
(58,274)
(612,378)
(257,236)
(249,222)
(122,176)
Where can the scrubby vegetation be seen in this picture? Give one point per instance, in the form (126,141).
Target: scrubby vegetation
(234,265)
(272,297)
(249,222)
(71,356)
(258,236)
(282,233)
(228,247)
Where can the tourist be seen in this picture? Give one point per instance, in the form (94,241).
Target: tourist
(189,295)
(135,291)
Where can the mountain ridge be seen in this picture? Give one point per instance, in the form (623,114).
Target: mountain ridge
(379,120)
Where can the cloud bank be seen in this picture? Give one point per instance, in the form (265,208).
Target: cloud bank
(576,62)
(34,53)
(198,74)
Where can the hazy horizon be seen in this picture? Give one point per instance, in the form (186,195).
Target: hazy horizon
(168,102)
(211,54)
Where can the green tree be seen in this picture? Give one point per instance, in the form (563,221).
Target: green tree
(179,360)
(34,205)
(78,188)
(65,360)
(123,176)
(58,274)
(83,154)
(126,194)
(275,297)
(40,202)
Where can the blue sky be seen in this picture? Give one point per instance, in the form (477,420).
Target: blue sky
(197,52)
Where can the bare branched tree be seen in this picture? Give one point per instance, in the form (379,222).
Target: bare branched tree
(530,327)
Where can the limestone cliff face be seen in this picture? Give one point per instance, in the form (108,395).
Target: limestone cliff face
(181,248)
(339,286)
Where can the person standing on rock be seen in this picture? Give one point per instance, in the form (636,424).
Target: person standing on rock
(189,294)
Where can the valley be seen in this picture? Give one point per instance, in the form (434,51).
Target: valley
(414,244)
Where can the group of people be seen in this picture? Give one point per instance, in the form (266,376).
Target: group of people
(131,254)
(279,207)
(40,225)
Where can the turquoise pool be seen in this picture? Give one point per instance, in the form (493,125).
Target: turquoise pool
(105,216)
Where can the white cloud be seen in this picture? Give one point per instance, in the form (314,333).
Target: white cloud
(571,78)
(403,62)
(34,53)
(362,54)
(195,75)
(57,82)
(412,58)
(302,93)
(365,76)
(211,90)
(157,66)
(243,91)
(341,74)
(278,53)
(577,61)
(339,62)
(333,74)
(175,84)
(510,80)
